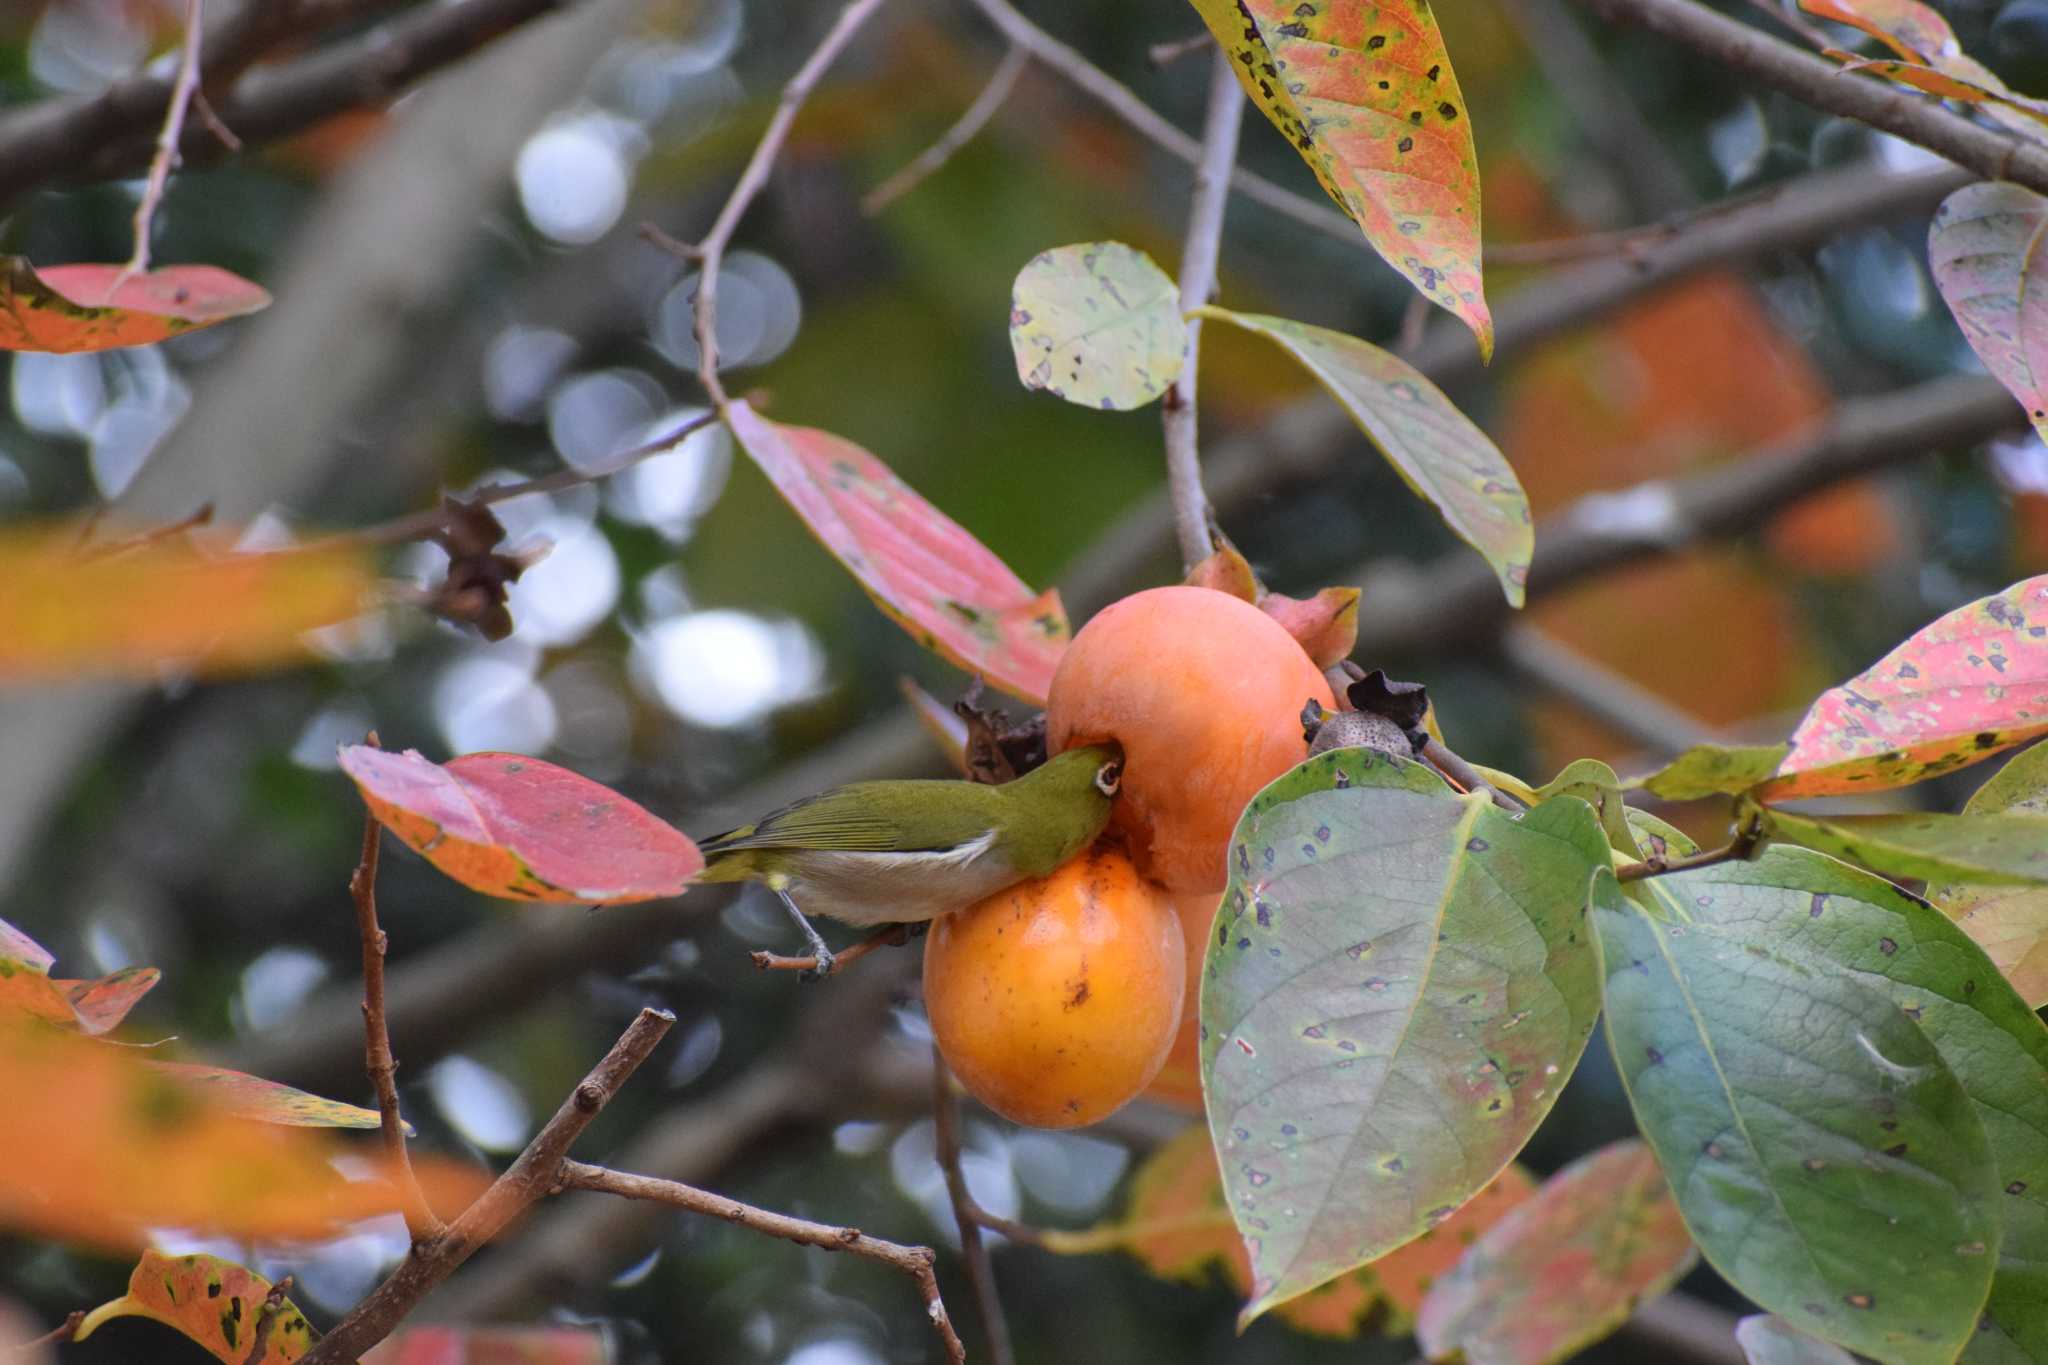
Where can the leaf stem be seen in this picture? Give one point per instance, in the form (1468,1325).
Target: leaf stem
(1746,844)
(976,117)
(166,155)
(1197,282)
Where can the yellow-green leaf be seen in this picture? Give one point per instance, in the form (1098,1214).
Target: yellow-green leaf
(1097,324)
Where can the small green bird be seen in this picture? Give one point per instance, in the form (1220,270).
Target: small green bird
(895,852)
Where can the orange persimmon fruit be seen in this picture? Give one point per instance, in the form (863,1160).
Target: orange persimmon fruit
(1204,691)
(1055,1001)
(1179,1083)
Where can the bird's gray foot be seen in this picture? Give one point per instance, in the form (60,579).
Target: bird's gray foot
(820,954)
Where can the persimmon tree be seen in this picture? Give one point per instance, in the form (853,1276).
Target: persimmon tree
(1328,976)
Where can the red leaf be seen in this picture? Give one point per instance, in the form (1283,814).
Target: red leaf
(1984,248)
(1962,689)
(922,569)
(492,1346)
(1564,1269)
(252,1097)
(26,988)
(83,308)
(19,946)
(1326,625)
(101,1005)
(515,827)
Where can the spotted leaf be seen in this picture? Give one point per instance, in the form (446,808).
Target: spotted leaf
(1435,448)
(1564,1269)
(2001,848)
(1984,247)
(172,603)
(220,1305)
(1397,987)
(1769,1340)
(252,1097)
(925,571)
(1366,94)
(99,307)
(2008,922)
(1825,1157)
(515,827)
(1713,770)
(1971,684)
(1097,324)
(1933,59)
(1835,919)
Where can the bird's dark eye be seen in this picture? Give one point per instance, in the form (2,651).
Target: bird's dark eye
(1108,777)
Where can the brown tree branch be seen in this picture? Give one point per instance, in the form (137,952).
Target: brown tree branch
(1197,283)
(56,1336)
(383,1068)
(709,253)
(889,936)
(980,1273)
(915,1262)
(535,1172)
(183,87)
(970,123)
(1824,85)
(1612,698)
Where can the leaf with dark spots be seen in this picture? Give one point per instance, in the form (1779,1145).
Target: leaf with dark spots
(1780,1063)
(2009,922)
(919,566)
(1353,75)
(1998,847)
(208,1299)
(522,829)
(1437,450)
(99,307)
(1472,992)
(1983,1029)
(1564,1269)
(1107,316)
(1928,706)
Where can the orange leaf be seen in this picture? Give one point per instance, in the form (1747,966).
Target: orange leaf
(214,1302)
(167,603)
(1959,690)
(252,1097)
(492,1346)
(26,988)
(1406,1273)
(100,1148)
(922,569)
(98,307)
(518,828)
(1226,570)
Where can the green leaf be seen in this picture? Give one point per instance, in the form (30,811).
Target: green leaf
(1097,324)
(1594,783)
(1837,919)
(1565,1269)
(1659,838)
(1713,770)
(1824,1155)
(1768,1340)
(1399,985)
(1436,449)
(1366,94)
(252,1097)
(2001,848)
(2008,922)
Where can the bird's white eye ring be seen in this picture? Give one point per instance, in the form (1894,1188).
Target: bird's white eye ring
(1109,777)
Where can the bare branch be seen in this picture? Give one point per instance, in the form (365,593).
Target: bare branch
(534,1173)
(183,87)
(383,1068)
(1611,698)
(1197,283)
(915,1262)
(710,252)
(1166,54)
(56,1336)
(980,1273)
(959,135)
(1825,86)
(889,936)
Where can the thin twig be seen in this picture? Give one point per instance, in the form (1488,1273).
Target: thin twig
(537,1171)
(266,1312)
(56,1336)
(416,525)
(383,1068)
(959,135)
(86,549)
(1099,85)
(913,1261)
(892,936)
(1745,845)
(980,1273)
(1166,54)
(710,252)
(1608,696)
(1197,282)
(166,155)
